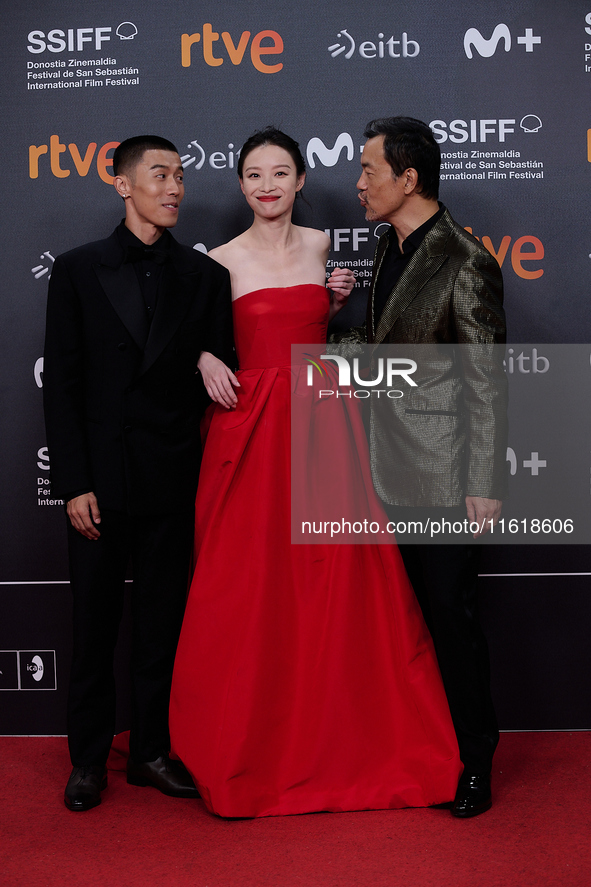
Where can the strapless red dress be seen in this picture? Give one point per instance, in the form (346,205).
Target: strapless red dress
(305,678)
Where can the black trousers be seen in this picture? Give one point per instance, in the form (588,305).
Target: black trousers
(160,550)
(444,578)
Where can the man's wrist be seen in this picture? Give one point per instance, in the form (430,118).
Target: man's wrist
(76,493)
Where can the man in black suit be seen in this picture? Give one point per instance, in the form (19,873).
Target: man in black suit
(130,322)
(441,452)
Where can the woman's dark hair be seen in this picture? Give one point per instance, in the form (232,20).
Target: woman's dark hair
(409,143)
(272,136)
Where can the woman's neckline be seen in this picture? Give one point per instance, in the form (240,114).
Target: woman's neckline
(275,288)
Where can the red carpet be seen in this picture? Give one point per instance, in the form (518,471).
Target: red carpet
(537,833)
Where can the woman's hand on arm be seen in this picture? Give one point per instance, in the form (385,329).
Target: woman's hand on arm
(218,380)
(341,283)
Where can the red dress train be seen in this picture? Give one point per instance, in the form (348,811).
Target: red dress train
(305,678)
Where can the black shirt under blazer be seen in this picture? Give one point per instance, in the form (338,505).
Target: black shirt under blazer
(122,398)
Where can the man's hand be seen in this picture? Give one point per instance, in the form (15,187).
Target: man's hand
(341,283)
(481,511)
(84,513)
(218,379)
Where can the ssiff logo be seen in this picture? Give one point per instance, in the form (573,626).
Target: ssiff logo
(482,130)
(486,48)
(75,39)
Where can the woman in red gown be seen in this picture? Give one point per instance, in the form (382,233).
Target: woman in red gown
(305,678)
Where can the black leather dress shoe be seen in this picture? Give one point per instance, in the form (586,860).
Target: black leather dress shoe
(472,797)
(169,777)
(84,787)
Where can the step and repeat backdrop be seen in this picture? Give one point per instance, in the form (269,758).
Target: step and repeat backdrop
(505,88)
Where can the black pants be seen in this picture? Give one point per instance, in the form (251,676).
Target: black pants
(444,578)
(159,548)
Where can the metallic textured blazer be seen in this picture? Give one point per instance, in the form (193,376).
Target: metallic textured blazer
(447,438)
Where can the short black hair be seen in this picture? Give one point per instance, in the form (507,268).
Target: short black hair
(129,153)
(409,142)
(272,136)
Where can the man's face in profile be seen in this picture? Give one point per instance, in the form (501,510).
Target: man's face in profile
(154,189)
(381,192)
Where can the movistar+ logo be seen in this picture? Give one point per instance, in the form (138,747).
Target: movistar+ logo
(486,48)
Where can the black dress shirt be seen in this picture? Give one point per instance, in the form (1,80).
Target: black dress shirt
(395,261)
(147,261)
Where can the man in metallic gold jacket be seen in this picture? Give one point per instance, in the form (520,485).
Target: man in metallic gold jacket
(434,284)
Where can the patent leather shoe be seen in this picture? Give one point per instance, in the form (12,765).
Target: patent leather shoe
(472,797)
(169,777)
(84,787)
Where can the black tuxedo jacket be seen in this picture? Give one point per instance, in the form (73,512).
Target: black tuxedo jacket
(122,397)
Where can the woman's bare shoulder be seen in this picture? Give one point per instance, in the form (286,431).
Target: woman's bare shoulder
(228,253)
(313,237)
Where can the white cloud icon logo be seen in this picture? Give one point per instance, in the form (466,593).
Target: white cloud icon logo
(126,31)
(531,123)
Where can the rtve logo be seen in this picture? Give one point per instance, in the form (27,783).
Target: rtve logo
(524,249)
(473,39)
(82,164)
(235,52)
(519,255)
